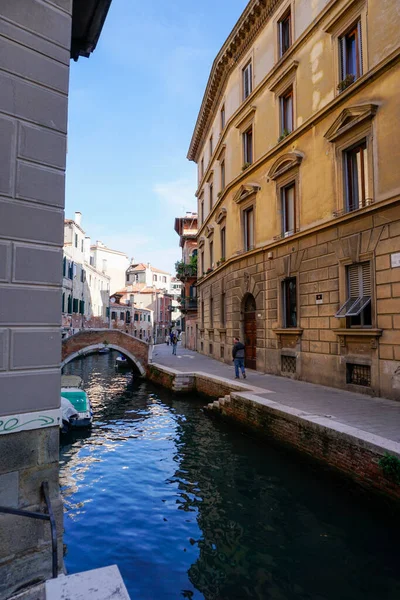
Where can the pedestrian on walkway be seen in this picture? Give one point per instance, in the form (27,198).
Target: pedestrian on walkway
(167,339)
(174,344)
(238,357)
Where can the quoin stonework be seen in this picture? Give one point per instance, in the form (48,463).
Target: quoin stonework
(298,193)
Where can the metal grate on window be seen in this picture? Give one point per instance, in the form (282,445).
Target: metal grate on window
(288,364)
(358,374)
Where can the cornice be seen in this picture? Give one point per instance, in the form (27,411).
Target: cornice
(249,25)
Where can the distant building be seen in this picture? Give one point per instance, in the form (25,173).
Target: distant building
(86,290)
(111,262)
(186,228)
(131,318)
(145,275)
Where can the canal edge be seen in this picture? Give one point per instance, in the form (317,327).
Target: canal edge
(349,450)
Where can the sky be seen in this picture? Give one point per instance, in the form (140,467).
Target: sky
(133,106)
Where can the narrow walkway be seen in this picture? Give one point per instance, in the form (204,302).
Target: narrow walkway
(374,415)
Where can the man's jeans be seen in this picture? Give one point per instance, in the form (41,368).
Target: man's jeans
(174,348)
(239,364)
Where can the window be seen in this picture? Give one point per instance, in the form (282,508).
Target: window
(202,313)
(223,243)
(76,240)
(71,270)
(81,245)
(222,114)
(211,146)
(223,309)
(83,276)
(113,316)
(350,55)
(211,312)
(222,175)
(202,209)
(285,34)
(202,262)
(286,108)
(81,307)
(202,168)
(154,277)
(247,77)
(164,279)
(211,194)
(248,222)
(289,297)
(356,176)
(288,199)
(248,146)
(357,307)
(75,305)
(211,253)
(64,266)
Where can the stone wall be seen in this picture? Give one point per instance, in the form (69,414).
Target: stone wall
(321,345)
(34,46)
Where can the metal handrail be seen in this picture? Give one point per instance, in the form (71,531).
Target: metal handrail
(42,517)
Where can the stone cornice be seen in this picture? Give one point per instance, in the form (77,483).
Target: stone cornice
(249,25)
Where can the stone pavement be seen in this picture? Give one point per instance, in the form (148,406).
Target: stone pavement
(378,416)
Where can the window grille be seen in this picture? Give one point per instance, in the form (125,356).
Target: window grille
(288,364)
(358,374)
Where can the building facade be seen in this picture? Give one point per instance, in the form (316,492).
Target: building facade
(145,275)
(86,289)
(111,262)
(187,227)
(38,38)
(130,318)
(298,193)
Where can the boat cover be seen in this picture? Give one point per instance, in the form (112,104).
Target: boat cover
(78,399)
(68,381)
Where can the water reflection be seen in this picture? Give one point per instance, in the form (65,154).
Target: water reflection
(189,508)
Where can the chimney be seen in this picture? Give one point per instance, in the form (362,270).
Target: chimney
(78,218)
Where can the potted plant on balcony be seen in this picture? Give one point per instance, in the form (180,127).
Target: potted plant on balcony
(284,134)
(346,82)
(246,166)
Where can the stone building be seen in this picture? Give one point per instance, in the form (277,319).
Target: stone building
(86,289)
(186,227)
(299,196)
(38,38)
(112,262)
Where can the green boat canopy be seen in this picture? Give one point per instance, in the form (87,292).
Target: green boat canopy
(78,399)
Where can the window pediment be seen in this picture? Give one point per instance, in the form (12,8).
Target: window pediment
(221,215)
(221,153)
(245,119)
(284,79)
(349,118)
(201,242)
(245,191)
(209,230)
(285,163)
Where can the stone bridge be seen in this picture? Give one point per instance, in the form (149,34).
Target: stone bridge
(90,340)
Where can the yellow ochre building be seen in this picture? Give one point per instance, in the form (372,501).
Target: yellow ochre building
(298,153)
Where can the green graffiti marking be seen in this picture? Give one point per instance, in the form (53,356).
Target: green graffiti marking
(14,423)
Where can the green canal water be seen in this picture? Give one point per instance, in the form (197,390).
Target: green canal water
(190,508)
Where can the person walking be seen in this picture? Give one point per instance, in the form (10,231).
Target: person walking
(174,344)
(238,357)
(167,339)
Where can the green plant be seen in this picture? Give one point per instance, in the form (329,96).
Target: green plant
(390,466)
(348,80)
(221,260)
(284,134)
(219,195)
(246,166)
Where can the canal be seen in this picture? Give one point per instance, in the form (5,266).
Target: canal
(190,508)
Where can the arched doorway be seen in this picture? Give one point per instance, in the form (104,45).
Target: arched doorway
(250,331)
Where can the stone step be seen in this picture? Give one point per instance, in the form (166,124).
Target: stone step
(216,404)
(98,584)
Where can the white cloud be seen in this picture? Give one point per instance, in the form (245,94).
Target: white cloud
(178,194)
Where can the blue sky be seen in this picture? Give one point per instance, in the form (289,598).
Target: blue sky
(132,110)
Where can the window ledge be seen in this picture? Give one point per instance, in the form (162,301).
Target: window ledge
(370,335)
(222,329)
(288,331)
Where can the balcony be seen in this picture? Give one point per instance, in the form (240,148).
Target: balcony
(188,304)
(186,271)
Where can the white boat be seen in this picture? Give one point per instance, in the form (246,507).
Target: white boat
(122,362)
(75,404)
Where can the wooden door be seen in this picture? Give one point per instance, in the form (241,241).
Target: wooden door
(250,333)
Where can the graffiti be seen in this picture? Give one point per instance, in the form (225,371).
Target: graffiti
(14,423)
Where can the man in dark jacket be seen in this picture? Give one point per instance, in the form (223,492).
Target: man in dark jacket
(238,357)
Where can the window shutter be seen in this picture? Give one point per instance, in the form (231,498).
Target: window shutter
(360,47)
(366,279)
(342,58)
(354,281)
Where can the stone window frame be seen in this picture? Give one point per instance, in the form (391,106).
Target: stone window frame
(343,288)
(292,175)
(285,81)
(343,141)
(248,59)
(287,5)
(338,25)
(250,202)
(243,125)
(280,300)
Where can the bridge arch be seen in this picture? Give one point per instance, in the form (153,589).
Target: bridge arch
(90,340)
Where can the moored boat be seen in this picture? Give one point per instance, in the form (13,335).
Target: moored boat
(75,404)
(122,363)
